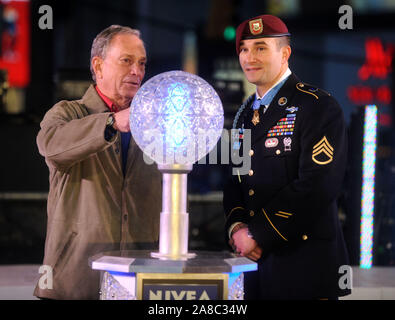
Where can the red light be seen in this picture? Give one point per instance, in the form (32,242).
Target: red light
(366,95)
(383,95)
(385,120)
(15,40)
(360,94)
(378,61)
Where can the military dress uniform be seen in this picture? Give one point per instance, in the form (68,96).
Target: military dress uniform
(288,199)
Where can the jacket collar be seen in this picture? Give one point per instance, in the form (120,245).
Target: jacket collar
(277,108)
(286,74)
(93,102)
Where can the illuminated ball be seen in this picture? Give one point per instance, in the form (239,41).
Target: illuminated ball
(176,118)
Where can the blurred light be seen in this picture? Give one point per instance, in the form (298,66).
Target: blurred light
(378,60)
(361,94)
(384,95)
(385,120)
(230,33)
(189,57)
(368,180)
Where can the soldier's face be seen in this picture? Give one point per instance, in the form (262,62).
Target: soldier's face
(123,68)
(263,61)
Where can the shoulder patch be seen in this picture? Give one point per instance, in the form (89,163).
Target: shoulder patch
(314,91)
(322,152)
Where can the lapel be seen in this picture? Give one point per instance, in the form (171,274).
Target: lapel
(133,153)
(93,102)
(275,111)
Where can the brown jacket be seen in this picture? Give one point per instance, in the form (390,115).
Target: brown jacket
(92,207)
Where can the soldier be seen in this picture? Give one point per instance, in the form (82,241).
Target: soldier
(283,213)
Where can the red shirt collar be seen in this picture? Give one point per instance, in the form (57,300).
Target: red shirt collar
(106,100)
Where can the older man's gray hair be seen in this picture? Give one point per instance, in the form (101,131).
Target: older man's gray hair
(103,39)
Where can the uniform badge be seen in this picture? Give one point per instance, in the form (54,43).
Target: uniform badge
(256,26)
(255,118)
(282,101)
(271,143)
(287,143)
(322,152)
(292,109)
(237,135)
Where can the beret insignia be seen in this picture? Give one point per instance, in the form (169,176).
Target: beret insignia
(256,26)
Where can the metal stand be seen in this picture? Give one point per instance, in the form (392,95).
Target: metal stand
(174,218)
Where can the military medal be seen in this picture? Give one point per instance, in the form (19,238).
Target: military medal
(271,142)
(282,101)
(255,107)
(255,117)
(238,136)
(287,143)
(292,109)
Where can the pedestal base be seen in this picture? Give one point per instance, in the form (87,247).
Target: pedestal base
(182,257)
(130,275)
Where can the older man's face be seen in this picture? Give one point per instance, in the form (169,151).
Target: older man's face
(123,68)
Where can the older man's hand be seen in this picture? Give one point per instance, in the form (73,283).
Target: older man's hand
(122,120)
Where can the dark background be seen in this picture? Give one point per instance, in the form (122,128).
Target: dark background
(322,55)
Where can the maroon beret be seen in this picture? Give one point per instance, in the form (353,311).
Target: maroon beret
(264,26)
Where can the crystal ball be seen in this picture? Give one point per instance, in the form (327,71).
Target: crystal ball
(176,118)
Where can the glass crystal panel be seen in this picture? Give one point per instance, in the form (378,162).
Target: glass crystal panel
(111,289)
(236,287)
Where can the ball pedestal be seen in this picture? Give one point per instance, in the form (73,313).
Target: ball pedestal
(176,118)
(173,273)
(136,275)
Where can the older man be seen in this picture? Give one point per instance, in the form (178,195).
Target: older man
(102,195)
(283,214)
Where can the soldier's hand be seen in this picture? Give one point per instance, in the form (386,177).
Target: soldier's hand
(243,243)
(255,254)
(121,122)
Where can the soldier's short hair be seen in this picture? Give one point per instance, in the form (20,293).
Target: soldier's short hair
(103,39)
(283,41)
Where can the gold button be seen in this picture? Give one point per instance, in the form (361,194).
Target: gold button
(278,151)
(304,237)
(251,192)
(251,153)
(252,213)
(251,172)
